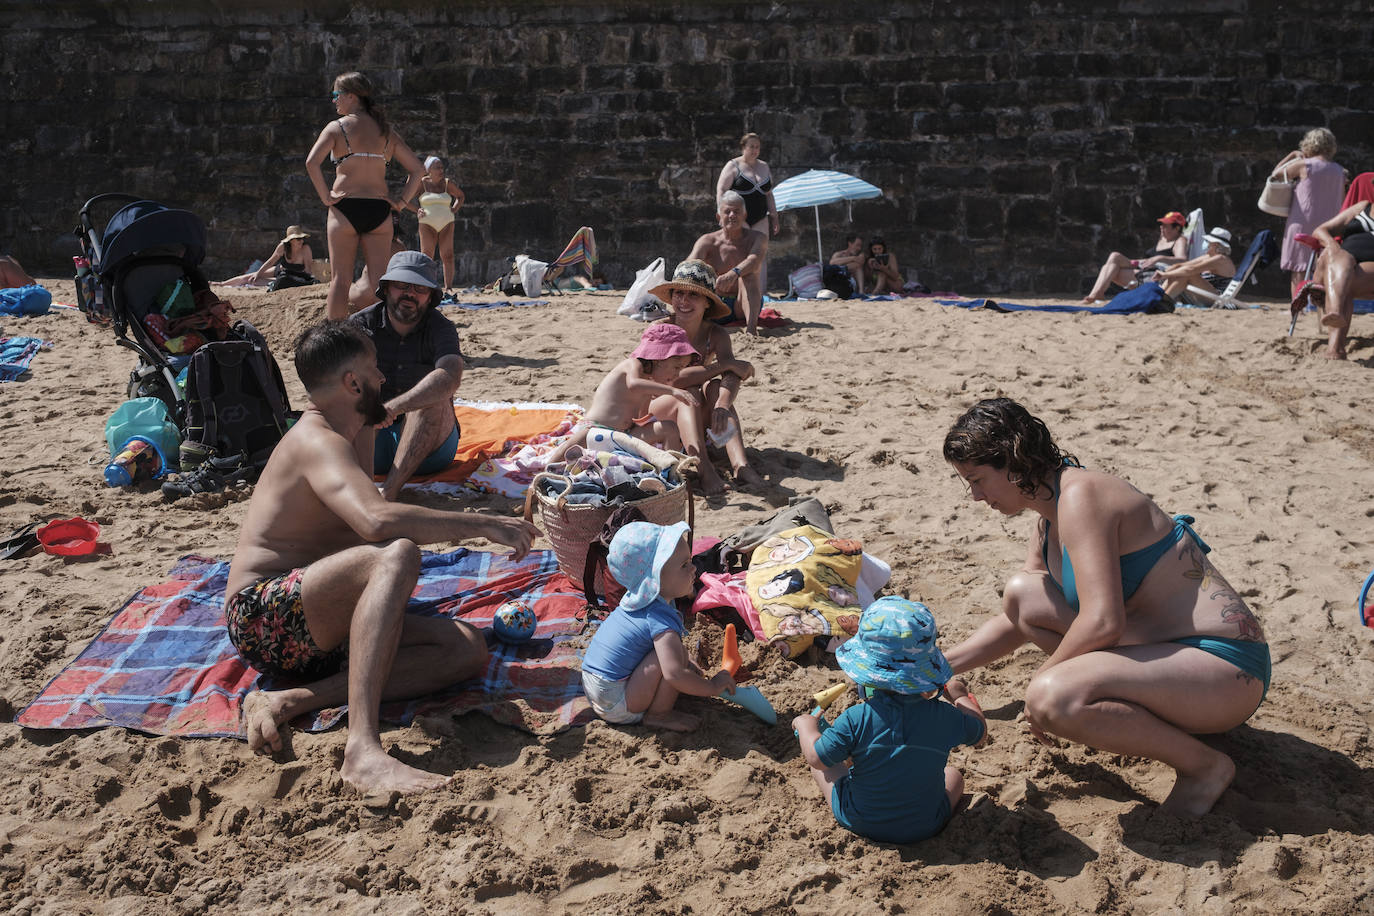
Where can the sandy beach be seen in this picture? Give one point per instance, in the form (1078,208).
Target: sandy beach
(1213,413)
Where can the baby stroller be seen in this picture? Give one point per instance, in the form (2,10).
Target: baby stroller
(142,248)
(232,409)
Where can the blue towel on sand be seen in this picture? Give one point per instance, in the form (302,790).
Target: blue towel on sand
(991,305)
(15,355)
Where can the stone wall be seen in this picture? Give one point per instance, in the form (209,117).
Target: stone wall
(1015,143)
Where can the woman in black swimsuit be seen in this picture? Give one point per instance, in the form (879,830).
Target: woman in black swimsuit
(1171,248)
(750,177)
(360,143)
(1349,270)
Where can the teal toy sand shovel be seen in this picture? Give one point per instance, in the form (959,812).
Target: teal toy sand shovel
(754,701)
(1365,609)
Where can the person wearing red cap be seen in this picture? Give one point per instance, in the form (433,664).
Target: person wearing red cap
(1171,248)
(622,400)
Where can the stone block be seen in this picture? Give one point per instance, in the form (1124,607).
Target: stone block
(1027,217)
(984,217)
(937,211)
(983,95)
(1022,178)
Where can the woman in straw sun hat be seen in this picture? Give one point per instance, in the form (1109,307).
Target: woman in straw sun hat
(292,259)
(714,373)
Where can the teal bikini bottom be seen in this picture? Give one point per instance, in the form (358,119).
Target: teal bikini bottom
(1250,657)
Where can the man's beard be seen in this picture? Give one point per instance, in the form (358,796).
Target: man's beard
(371,405)
(407,310)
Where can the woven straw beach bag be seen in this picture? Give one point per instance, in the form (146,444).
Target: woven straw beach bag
(571,527)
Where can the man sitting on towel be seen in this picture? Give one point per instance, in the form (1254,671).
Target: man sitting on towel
(735,252)
(418,353)
(324,567)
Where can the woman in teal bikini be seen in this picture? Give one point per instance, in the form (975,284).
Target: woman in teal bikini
(1148,645)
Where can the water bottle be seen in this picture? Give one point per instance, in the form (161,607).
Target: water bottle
(138,460)
(85,283)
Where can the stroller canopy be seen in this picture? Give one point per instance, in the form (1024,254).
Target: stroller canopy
(147,224)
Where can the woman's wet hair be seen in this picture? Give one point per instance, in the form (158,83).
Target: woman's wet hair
(1000,433)
(744,141)
(324,349)
(361,86)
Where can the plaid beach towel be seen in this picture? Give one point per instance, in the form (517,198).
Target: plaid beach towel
(15,355)
(498,304)
(164,665)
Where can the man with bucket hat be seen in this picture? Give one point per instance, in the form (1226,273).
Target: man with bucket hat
(419,356)
(899,789)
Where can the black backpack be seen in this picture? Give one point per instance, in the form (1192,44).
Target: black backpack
(836,277)
(235,401)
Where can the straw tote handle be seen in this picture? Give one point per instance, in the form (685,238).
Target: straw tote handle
(532,493)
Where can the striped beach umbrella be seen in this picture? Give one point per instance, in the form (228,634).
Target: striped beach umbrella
(817,187)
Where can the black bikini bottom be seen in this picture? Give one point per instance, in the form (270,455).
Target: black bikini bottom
(364,213)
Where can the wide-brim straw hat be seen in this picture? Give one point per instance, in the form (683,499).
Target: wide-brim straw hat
(694,276)
(295,232)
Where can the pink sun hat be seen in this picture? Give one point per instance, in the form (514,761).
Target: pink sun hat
(661,341)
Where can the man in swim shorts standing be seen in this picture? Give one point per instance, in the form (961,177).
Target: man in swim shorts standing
(735,252)
(418,352)
(324,567)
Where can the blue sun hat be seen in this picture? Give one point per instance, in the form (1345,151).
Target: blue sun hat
(895,648)
(636,557)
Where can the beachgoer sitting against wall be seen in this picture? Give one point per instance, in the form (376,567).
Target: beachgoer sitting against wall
(418,352)
(13,275)
(324,568)
(1349,271)
(622,400)
(290,264)
(735,253)
(854,259)
(1125,271)
(714,373)
(636,666)
(899,788)
(1213,268)
(881,267)
(1148,645)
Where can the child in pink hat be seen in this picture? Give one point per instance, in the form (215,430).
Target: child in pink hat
(622,400)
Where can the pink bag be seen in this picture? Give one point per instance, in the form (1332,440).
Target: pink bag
(719,590)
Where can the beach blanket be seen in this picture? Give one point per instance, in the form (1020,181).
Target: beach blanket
(164,665)
(504,444)
(15,355)
(502,303)
(994,306)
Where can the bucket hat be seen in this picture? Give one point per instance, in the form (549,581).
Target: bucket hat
(895,648)
(295,232)
(661,341)
(1173,216)
(694,276)
(636,557)
(414,267)
(1219,235)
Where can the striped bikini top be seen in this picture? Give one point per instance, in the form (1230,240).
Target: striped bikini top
(361,155)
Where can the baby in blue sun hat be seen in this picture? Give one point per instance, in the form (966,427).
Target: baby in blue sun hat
(898,788)
(636,666)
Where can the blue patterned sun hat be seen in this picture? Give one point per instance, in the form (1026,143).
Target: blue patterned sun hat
(636,557)
(895,648)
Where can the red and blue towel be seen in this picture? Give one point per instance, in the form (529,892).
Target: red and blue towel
(164,665)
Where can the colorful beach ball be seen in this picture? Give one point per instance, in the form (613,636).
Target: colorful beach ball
(513,622)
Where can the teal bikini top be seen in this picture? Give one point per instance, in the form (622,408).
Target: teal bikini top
(1135,566)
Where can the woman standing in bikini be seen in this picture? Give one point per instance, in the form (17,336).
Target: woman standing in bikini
(360,143)
(714,374)
(750,177)
(440,198)
(1148,645)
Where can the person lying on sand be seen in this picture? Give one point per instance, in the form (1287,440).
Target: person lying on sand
(636,665)
(622,400)
(736,253)
(13,275)
(882,767)
(1148,645)
(691,296)
(324,566)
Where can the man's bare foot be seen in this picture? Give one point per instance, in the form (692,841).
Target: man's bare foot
(1334,320)
(263,715)
(369,769)
(1194,794)
(1334,354)
(672,720)
(748,477)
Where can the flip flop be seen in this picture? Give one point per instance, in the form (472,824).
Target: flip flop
(20,542)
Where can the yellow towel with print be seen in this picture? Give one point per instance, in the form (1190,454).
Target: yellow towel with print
(802,583)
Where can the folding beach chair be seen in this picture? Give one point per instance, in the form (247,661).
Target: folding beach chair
(581,248)
(1262,251)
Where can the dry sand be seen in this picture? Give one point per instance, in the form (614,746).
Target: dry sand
(1213,413)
